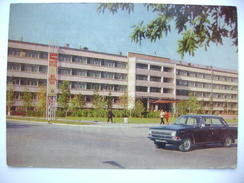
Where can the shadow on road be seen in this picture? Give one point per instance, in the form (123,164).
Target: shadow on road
(114,164)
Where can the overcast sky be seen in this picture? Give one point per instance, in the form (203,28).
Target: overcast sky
(79,24)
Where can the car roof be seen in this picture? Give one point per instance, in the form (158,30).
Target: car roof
(202,115)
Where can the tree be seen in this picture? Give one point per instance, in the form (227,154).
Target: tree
(42,99)
(192,104)
(181,108)
(10,97)
(98,101)
(124,100)
(139,108)
(109,100)
(199,25)
(27,98)
(78,102)
(64,96)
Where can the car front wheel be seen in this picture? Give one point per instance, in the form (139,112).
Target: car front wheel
(185,145)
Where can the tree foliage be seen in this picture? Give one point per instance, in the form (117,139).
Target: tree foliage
(64,96)
(27,98)
(139,108)
(109,100)
(10,97)
(42,99)
(98,101)
(78,102)
(199,25)
(124,100)
(190,106)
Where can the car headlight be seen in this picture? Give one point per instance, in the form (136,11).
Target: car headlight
(150,133)
(173,133)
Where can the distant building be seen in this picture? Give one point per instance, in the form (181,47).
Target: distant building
(158,82)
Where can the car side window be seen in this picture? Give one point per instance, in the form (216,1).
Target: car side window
(216,122)
(192,121)
(208,122)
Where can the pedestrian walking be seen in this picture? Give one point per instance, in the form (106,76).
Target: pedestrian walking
(161,115)
(110,116)
(166,115)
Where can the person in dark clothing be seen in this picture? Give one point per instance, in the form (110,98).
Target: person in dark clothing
(110,116)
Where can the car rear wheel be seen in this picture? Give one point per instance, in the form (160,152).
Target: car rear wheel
(227,141)
(185,145)
(159,145)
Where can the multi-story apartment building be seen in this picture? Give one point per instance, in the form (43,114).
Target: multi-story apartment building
(158,82)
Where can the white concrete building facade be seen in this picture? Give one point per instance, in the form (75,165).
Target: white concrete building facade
(158,82)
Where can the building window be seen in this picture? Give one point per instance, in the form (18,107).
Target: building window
(182,73)
(14,66)
(29,68)
(81,60)
(121,76)
(32,82)
(108,63)
(79,72)
(155,90)
(156,79)
(155,67)
(107,75)
(121,88)
(94,61)
(120,64)
(166,90)
(14,52)
(192,74)
(182,83)
(141,77)
(182,92)
(64,71)
(93,86)
(78,85)
(168,69)
(43,69)
(96,74)
(141,66)
(32,54)
(141,89)
(43,55)
(65,58)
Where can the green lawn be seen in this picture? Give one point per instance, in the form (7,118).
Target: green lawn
(75,120)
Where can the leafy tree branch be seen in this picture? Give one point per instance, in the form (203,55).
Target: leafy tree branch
(199,25)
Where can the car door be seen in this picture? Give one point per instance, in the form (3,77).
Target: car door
(218,129)
(204,131)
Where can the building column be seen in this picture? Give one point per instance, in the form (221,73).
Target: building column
(132,82)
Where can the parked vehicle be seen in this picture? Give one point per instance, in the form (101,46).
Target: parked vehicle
(193,129)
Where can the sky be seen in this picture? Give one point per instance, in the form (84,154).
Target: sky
(79,24)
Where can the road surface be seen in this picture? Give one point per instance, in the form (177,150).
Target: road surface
(104,146)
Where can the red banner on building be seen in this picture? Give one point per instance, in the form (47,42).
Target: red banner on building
(52,74)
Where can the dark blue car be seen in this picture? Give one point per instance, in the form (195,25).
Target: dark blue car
(193,129)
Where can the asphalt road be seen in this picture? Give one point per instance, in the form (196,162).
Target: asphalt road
(104,146)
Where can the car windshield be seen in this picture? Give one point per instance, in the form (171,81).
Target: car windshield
(186,120)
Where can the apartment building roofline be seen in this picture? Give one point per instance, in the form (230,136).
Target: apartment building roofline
(148,57)
(201,66)
(69,48)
